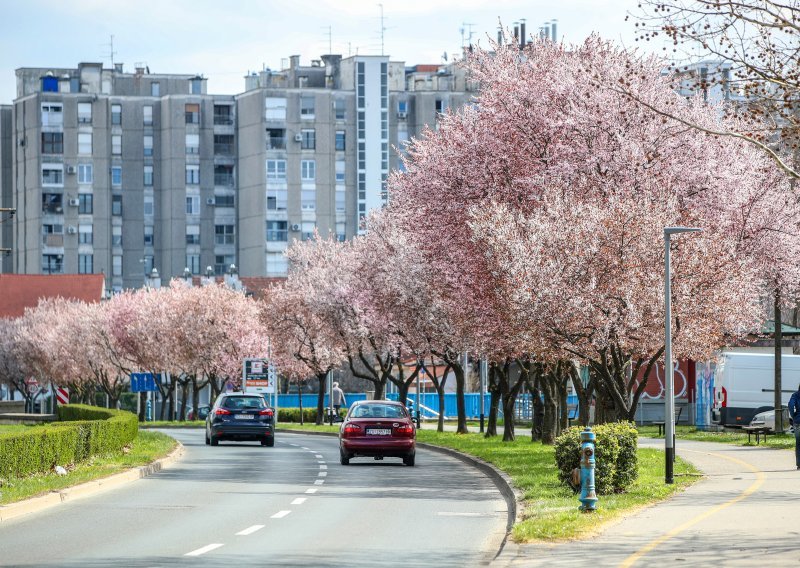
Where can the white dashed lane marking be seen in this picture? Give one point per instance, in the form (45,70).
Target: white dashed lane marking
(318,456)
(319,481)
(203,550)
(299,501)
(280,514)
(311,490)
(322,474)
(323,466)
(250,530)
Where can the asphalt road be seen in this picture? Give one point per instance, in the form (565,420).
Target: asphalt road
(242,504)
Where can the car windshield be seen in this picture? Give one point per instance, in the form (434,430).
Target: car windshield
(243,402)
(378,411)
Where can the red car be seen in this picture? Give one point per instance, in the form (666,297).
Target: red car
(377,429)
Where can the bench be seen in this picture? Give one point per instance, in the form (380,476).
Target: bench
(661,424)
(758,431)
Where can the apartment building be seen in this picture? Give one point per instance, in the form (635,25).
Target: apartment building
(119,173)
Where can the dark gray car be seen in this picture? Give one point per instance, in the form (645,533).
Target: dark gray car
(240,416)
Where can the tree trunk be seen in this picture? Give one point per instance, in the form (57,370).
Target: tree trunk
(550,419)
(195,397)
(778,379)
(494,402)
(321,397)
(184,395)
(461,404)
(563,411)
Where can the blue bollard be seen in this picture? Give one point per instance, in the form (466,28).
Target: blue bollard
(148,412)
(588,496)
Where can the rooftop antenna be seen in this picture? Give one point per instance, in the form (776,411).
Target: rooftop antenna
(383,28)
(111,52)
(466,27)
(330,39)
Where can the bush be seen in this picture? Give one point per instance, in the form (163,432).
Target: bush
(83,432)
(309,414)
(616,465)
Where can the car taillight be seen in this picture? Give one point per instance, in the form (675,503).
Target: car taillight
(221,411)
(266,412)
(404,429)
(352,429)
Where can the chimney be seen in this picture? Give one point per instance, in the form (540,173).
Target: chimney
(294,61)
(499,36)
(516,32)
(522,38)
(553,34)
(118,67)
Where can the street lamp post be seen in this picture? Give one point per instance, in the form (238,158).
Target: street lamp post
(484,375)
(669,395)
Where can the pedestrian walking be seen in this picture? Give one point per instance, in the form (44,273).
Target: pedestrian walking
(794,412)
(338,398)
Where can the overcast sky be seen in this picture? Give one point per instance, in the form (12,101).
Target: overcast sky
(224,40)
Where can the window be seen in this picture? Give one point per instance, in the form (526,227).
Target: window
(223,115)
(192,175)
(193,113)
(276,138)
(341,235)
(223,144)
(340,198)
(224,200)
(116,114)
(192,144)
(85,173)
(85,143)
(224,235)
(149,208)
(116,176)
(147,115)
(308,199)
(340,170)
(116,205)
(222,263)
(148,235)
(52,263)
(275,108)
(148,176)
(339,107)
(196,86)
(308,228)
(277,199)
(223,176)
(85,234)
(148,145)
(52,142)
(149,263)
(155,89)
(306,107)
(116,265)
(86,203)
(52,203)
(192,204)
(52,114)
(439,105)
(52,175)
(277,264)
(85,264)
(309,139)
(193,263)
(84,113)
(308,170)
(339,143)
(402,109)
(277,231)
(276,170)
(116,144)
(192,234)
(116,235)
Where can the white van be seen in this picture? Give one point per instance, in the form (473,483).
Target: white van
(744,385)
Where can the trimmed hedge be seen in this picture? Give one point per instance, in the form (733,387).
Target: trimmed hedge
(616,461)
(83,432)
(309,414)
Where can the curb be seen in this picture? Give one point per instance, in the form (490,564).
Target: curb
(501,480)
(68,494)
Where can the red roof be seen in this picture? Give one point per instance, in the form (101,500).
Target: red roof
(426,68)
(20,291)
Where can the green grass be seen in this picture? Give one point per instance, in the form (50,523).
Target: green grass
(173,424)
(550,509)
(730,436)
(147,447)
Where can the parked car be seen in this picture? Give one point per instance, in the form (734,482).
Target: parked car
(766,419)
(240,416)
(377,429)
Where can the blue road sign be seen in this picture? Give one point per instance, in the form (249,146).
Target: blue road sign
(143,382)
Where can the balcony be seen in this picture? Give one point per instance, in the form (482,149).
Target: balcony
(223,180)
(223,149)
(53,240)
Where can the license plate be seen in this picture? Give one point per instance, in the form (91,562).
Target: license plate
(379,431)
(244,416)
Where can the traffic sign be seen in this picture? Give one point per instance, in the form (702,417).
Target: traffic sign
(62,395)
(143,382)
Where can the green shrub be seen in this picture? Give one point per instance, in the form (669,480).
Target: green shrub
(309,414)
(83,432)
(616,465)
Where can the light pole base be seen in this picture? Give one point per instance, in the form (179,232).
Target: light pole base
(481,423)
(670,457)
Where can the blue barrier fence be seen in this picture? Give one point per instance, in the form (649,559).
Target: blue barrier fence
(430,403)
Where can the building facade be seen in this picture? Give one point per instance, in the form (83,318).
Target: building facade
(119,173)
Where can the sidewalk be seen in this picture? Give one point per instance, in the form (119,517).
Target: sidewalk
(743,513)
